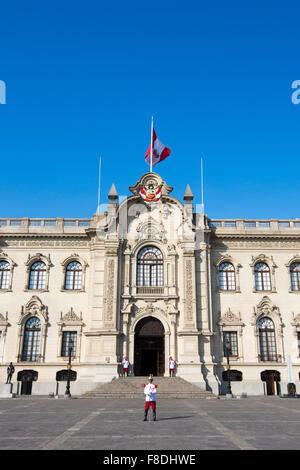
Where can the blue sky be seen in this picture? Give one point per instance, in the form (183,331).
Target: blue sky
(84,78)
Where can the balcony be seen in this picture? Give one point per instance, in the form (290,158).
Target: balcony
(150,290)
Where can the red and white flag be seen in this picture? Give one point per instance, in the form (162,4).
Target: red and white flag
(159,151)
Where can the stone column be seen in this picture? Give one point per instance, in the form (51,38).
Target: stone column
(127,254)
(173,337)
(189,290)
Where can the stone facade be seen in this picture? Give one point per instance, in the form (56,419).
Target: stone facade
(87,279)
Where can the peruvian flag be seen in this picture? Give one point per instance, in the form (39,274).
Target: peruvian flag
(159,151)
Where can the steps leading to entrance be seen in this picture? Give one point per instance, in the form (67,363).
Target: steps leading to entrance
(132,387)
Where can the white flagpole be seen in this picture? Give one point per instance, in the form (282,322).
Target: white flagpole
(151,144)
(202,205)
(98,209)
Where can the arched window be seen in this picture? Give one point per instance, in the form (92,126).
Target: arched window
(267,341)
(295,276)
(37,278)
(31,346)
(226,276)
(150,267)
(4,274)
(262,277)
(73,279)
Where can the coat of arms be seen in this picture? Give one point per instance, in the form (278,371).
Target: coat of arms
(150,192)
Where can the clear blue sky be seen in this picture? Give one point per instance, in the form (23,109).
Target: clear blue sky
(83,79)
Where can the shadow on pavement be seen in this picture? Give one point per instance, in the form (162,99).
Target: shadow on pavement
(174,417)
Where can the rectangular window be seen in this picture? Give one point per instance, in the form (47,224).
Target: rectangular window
(267,346)
(227,280)
(231,337)
(66,343)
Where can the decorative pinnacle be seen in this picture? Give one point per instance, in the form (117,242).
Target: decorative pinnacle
(188,195)
(113,193)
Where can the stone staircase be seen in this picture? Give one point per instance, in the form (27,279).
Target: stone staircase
(133,387)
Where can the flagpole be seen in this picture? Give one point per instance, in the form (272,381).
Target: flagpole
(202,205)
(151,144)
(98,209)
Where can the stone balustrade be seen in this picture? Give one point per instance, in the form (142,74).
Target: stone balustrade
(254,224)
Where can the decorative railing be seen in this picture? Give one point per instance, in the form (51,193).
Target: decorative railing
(150,290)
(243,224)
(57,223)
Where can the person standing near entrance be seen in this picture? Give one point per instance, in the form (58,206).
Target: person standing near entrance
(150,392)
(172,364)
(125,364)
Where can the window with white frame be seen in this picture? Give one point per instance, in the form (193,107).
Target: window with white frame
(37,277)
(32,337)
(4,275)
(73,280)
(226,276)
(150,267)
(267,342)
(295,276)
(262,277)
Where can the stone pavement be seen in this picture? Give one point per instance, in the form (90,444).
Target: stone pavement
(114,424)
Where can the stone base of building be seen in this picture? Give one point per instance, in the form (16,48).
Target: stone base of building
(6,391)
(206,376)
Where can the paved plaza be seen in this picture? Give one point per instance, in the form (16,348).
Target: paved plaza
(114,424)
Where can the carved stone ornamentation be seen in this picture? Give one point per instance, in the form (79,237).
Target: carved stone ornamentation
(110,290)
(188,291)
(70,317)
(265,308)
(34,307)
(230,318)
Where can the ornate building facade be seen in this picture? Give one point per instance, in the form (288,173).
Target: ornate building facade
(150,278)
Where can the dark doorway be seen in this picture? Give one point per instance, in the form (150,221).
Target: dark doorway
(27,377)
(272,379)
(26,388)
(149,357)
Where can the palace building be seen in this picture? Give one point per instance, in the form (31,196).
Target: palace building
(151,277)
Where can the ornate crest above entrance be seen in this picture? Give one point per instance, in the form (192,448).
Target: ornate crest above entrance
(150,187)
(150,193)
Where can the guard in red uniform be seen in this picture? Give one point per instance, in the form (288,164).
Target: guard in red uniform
(171,366)
(150,392)
(125,363)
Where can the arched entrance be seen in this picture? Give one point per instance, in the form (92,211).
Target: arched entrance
(26,377)
(271,377)
(149,350)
